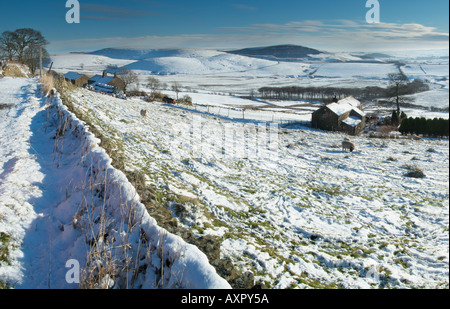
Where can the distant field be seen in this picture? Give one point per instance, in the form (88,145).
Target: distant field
(377,71)
(216,72)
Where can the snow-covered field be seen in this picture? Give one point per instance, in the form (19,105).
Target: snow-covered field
(67,216)
(355,70)
(289,204)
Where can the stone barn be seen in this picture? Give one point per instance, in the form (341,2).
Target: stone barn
(100,81)
(344,115)
(77,79)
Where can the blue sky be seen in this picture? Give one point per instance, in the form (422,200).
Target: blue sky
(328,25)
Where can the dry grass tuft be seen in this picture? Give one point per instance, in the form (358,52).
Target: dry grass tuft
(48,83)
(13,69)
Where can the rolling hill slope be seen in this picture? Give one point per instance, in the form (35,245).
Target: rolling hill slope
(196,62)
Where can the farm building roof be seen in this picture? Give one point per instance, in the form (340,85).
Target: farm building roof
(352,121)
(104,88)
(72,75)
(100,79)
(345,105)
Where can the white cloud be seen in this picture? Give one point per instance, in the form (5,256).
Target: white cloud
(337,35)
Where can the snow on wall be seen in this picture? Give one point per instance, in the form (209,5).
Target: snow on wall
(120,225)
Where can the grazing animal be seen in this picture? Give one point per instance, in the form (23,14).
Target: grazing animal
(347,144)
(143,113)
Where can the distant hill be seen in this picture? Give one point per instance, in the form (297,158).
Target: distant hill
(168,61)
(281,52)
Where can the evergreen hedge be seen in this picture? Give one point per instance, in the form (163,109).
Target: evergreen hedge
(437,127)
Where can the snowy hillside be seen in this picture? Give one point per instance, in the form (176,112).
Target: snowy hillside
(194,61)
(289,204)
(61,201)
(90,64)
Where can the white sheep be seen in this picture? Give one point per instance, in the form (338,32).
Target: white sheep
(348,144)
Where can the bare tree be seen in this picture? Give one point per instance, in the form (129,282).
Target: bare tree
(7,45)
(16,43)
(153,83)
(128,77)
(176,87)
(25,38)
(397,83)
(31,57)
